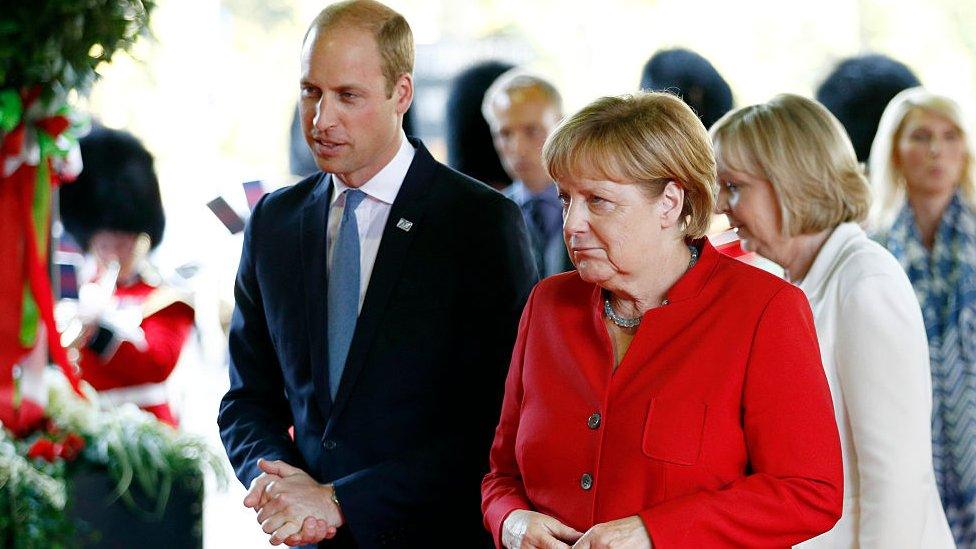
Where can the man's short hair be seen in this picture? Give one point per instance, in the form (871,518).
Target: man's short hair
(390,29)
(515,81)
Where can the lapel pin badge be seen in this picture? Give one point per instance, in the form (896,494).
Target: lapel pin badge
(404,225)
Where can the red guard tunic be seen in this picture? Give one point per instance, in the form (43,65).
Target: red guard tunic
(127,365)
(716,428)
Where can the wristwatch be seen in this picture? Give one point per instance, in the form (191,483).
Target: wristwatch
(335,498)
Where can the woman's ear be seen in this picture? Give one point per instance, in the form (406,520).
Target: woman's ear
(670,203)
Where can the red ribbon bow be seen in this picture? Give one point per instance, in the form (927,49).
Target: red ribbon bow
(23,182)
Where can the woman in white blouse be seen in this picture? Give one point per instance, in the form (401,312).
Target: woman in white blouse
(791,186)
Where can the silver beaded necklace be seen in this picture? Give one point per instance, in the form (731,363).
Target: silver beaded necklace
(624,322)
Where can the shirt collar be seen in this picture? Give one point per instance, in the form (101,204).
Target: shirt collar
(521,194)
(385,185)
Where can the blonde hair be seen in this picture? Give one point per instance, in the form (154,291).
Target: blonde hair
(803,151)
(515,81)
(887,180)
(391,31)
(649,138)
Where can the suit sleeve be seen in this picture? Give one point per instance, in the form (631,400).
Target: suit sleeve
(498,274)
(795,489)
(883,365)
(254,416)
(502,490)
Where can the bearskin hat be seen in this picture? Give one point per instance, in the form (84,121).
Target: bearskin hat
(470,148)
(857,92)
(117,189)
(691,77)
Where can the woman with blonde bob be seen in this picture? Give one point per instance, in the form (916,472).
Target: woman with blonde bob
(922,169)
(662,395)
(791,185)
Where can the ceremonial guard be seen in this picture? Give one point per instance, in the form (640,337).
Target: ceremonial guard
(129,326)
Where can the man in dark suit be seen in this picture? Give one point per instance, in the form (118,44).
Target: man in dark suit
(377,304)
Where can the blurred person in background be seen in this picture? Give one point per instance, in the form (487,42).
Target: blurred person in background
(692,78)
(522,109)
(923,174)
(470,148)
(663,394)
(791,184)
(130,326)
(857,91)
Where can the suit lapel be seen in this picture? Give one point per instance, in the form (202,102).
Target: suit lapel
(408,205)
(314,255)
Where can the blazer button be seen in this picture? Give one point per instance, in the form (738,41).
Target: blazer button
(329,444)
(586,481)
(594,420)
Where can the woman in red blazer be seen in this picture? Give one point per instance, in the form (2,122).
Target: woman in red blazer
(663,395)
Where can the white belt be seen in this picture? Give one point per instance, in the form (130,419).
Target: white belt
(147,394)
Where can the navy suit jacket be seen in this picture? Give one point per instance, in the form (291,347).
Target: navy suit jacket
(406,440)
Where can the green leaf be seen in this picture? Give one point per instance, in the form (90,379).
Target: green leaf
(40,41)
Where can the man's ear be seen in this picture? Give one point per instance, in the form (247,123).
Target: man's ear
(403,92)
(670,203)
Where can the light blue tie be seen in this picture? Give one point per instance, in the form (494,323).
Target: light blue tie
(343,304)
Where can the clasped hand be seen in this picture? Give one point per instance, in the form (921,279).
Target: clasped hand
(291,506)
(525,529)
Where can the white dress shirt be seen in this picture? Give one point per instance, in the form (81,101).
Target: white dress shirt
(372,213)
(876,357)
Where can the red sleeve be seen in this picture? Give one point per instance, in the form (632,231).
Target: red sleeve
(502,491)
(166,331)
(795,489)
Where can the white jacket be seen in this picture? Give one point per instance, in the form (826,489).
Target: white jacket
(876,357)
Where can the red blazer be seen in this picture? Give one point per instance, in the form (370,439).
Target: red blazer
(111,363)
(716,429)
